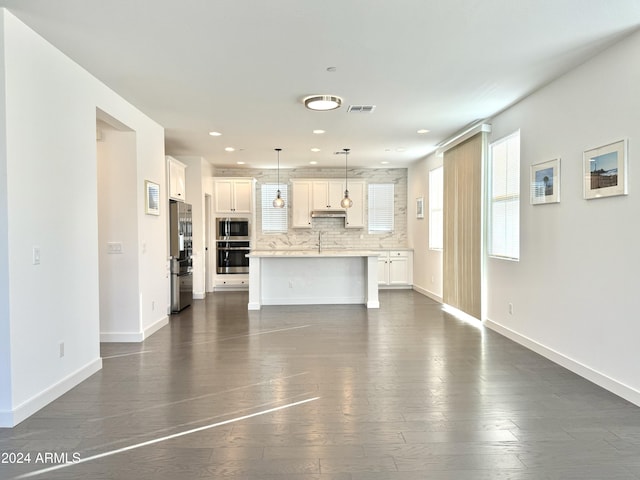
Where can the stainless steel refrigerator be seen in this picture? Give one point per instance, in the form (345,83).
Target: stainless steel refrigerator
(181,246)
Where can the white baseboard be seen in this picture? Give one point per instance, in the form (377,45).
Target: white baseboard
(428,293)
(26,409)
(133,337)
(121,337)
(154,327)
(600,379)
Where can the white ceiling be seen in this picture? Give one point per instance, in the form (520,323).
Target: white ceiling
(242,67)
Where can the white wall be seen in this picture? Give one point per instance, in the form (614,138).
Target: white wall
(118,222)
(575,289)
(51,202)
(197,168)
(6,389)
(427,269)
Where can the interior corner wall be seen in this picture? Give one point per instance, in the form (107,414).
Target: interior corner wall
(427,264)
(51,205)
(574,291)
(118,227)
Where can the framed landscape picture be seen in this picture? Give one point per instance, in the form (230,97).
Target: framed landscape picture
(152,198)
(545,182)
(605,170)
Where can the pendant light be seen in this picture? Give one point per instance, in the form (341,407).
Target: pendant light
(278,202)
(346,202)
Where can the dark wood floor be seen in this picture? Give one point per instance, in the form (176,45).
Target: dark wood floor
(329,393)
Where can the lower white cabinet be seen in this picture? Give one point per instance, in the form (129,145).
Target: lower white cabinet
(232,282)
(395,268)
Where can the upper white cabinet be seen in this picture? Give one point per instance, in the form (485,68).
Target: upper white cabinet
(302,193)
(177,180)
(355,214)
(326,194)
(233,195)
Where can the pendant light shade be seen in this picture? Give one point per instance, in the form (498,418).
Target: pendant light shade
(346,202)
(278,202)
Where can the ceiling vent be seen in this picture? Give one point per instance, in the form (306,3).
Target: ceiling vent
(361,108)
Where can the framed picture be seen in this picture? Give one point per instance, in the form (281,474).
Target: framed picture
(152,198)
(420,207)
(545,182)
(605,170)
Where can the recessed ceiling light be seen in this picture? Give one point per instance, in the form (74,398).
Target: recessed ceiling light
(315,149)
(313,162)
(319,132)
(401,149)
(322,102)
(384,163)
(215,134)
(423,131)
(229,149)
(240,163)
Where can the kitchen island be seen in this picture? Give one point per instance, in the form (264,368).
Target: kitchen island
(311,277)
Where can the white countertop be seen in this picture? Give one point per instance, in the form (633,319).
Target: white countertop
(314,253)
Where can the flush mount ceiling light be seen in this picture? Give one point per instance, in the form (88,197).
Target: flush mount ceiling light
(322,102)
(278,202)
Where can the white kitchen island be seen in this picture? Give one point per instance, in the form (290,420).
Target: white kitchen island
(309,277)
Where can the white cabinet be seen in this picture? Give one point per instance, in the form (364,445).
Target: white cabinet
(395,268)
(233,195)
(325,194)
(355,214)
(301,191)
(177,180)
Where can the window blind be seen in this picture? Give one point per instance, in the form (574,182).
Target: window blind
(381,207)
(274,220)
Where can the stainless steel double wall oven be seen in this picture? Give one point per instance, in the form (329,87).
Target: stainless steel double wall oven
(232,245)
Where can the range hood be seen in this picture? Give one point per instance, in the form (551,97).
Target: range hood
(328,214)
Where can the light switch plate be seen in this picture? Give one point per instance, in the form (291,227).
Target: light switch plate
(36,256)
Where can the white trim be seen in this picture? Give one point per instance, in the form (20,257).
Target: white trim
(199,295)
(155,326)
(457,139)
(11,418)
(600,379)
(121,337)
(133,337)
(427,293)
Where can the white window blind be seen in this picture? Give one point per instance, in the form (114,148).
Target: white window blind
(435,208)
(381,208)
(504,190)
(274,220)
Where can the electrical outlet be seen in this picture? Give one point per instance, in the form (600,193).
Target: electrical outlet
(511,309)
(153,305)
(61,349)
(290,283)
(36,256)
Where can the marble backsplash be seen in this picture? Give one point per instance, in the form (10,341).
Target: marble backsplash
(333,231)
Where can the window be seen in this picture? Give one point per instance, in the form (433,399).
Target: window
(381,209)
(435,208)
(504,200)
(274,220)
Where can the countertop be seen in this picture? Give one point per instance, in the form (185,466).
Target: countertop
(315,253)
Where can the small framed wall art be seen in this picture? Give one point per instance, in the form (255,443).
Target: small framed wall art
(545,182)
(420,207)
(152,198)
(605,170)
